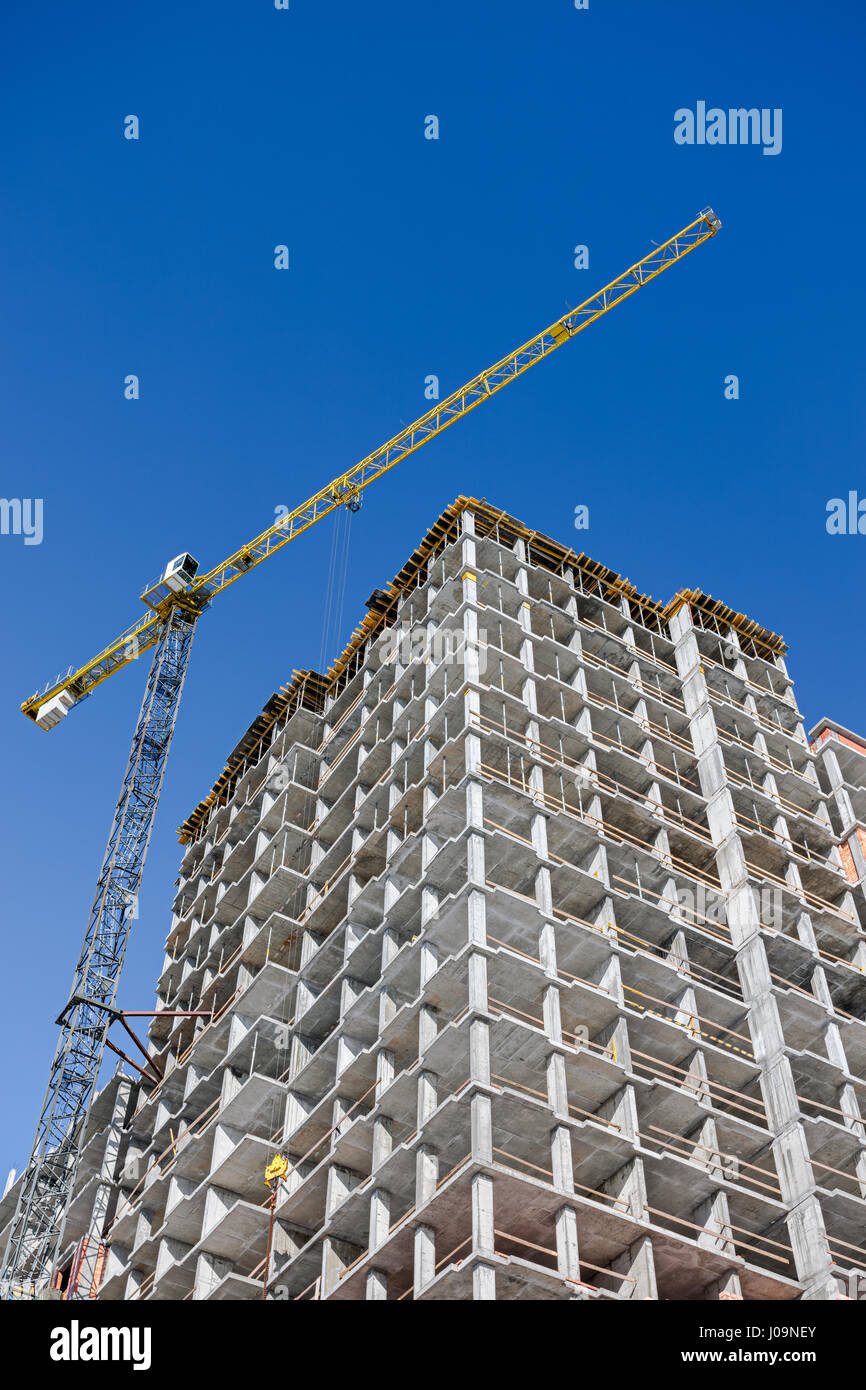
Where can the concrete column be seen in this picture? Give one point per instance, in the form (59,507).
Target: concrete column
(380,1217)
(479,1051)
(481,1127)
(562,1160)
(483,1275)
(476,919)
(427,1028)
(340,1182)
(426,1174)
(638,1264)
(337,1255)
(557,1089)
(726,1288)
(845,810)
(714,1215)
(388,1006)
(383,1140)
(428,962)
(567,1260)
(208,1272)
(425,1256)
(477,981)
(482,1214)
(427,1098)
(377,1284)
(805,1218)
(384,1072)
(472,740)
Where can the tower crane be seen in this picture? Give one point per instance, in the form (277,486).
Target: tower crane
(174,605)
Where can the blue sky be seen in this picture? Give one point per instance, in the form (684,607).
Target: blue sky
(408,257)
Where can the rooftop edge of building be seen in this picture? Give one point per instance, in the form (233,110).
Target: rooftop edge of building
(309,688)
(826,726)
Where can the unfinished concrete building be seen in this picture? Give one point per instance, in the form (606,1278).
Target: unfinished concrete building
(532,935)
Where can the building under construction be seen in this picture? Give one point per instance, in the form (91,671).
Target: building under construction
(531,936)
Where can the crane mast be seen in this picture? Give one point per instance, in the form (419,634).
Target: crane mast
(41,1211)
(175,603)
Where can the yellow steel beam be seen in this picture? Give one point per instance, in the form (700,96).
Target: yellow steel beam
(346,488)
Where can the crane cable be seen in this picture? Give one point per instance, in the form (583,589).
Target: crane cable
(335,594)
(332,621)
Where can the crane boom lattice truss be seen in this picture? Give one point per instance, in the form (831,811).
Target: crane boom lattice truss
(37,1231)
(346,488)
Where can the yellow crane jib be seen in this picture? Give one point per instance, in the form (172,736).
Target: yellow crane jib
(181,586)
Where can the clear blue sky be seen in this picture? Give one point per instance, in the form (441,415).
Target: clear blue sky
(408,257)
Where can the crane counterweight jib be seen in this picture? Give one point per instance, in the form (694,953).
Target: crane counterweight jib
(49,714)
